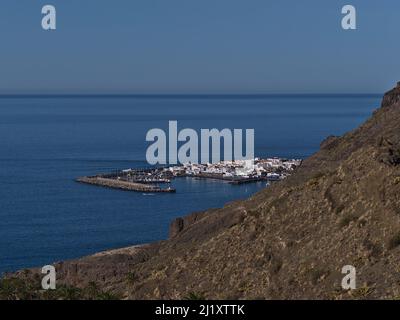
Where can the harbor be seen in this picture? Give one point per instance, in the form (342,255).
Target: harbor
(158,179)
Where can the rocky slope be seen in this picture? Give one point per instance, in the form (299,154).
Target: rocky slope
(290,241)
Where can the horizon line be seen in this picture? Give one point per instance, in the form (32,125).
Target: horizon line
(181,95)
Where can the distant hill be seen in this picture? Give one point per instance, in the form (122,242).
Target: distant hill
(289,241)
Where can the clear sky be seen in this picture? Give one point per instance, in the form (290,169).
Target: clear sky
(199,46)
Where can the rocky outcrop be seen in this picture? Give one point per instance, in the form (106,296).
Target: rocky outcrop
(180,224)
(392,97)
(329,142)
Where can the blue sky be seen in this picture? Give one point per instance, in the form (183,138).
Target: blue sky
(199,46)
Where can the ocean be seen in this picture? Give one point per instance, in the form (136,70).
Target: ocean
(47,142)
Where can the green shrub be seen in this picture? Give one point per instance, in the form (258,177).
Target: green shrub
(194,296)
(28,289)
(346,220)
(131,278)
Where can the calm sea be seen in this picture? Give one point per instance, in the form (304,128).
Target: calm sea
(46,142)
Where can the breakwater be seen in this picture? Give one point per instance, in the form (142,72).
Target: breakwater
(123,185)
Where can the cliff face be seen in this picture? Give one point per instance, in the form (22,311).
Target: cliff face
(290,241)
(392,97)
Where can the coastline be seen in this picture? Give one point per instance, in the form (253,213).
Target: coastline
(89,201)
(130,250)
(249,248)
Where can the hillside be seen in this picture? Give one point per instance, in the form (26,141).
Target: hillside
(289,241)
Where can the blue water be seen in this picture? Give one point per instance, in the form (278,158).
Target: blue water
(47,142)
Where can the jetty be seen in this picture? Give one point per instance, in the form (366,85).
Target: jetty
(123,185)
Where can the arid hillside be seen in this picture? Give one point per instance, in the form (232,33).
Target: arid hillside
(290,241)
